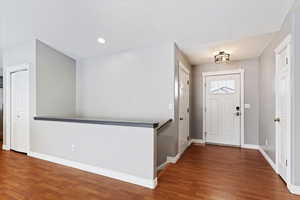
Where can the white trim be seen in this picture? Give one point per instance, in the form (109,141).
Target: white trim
(268,159)
(96,170)
(7,104)
(174,159)
(250,146)
(162,166)
(197,141)
(294,189)
(186,70)
(242,72)
(285,44)
(224,72)
(5,147)
(204,106)
(227,72)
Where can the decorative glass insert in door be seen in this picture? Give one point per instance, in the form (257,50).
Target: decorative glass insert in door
(222,87)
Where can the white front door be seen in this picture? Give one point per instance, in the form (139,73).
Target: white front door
(20,111)
(184,119)
(282,111)
(223,109)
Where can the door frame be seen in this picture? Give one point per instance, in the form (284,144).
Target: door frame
(7,105)
(185,69)
(226,72)
(286,43)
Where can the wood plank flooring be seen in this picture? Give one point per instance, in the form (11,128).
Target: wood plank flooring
(204,172)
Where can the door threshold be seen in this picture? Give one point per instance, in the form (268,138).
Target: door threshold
(223,145)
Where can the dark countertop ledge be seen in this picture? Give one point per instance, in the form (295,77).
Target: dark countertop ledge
(133,123)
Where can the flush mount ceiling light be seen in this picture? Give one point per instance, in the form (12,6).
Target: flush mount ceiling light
(222,57)
(101,40)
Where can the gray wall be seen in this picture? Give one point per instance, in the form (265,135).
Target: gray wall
(251,68)
(291,26)
(267,138)
(1,96)
(56,82)
(132,84)
(1,59)
(135,84)
(95,145)
(296,135)
(168,139)
(129,150)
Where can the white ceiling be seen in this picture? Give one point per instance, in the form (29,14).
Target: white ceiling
(73,26)
(245,48)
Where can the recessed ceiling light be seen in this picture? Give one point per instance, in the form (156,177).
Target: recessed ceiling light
(101,40)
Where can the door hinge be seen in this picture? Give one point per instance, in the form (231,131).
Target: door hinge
(188,110)
(286,60)
(188,82)
(286,163)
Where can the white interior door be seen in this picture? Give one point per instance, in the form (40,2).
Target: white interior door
(282,111)
(184,118)
(223,109)
(19,111)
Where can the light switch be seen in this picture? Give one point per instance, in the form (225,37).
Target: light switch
(247,106)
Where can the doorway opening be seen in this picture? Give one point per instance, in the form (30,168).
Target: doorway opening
(223,107)
(16,136)
(184,108)
(283,109)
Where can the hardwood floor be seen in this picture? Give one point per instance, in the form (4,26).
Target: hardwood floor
(210,172)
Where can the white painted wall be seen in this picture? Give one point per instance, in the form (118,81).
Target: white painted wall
(120,149)
(128,153)
(135,84)
(251,68)
(56,82)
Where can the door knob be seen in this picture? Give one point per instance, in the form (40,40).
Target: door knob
(277,119)
(181,118)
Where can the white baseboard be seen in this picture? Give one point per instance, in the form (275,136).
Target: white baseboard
(174,159)
(5,147)
(294,189)
(197,141)
(250,146)
(96,170)
(162,166)
(268,159)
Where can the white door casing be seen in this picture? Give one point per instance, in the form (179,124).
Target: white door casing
(283,110)
(184,118)
(16,119)
(19,110)
(223,107)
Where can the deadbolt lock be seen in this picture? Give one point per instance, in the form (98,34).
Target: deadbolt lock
(277,119)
